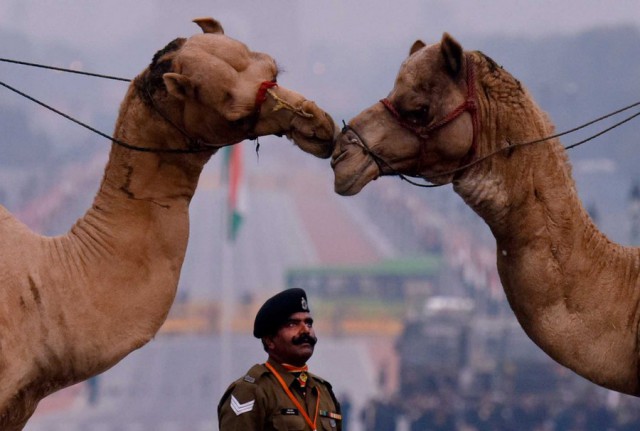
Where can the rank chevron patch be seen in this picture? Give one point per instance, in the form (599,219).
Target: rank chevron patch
(239,408)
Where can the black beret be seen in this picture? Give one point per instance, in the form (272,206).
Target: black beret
(275,312)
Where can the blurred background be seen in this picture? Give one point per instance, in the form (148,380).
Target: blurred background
(415,332)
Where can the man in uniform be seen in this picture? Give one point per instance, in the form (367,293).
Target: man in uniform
(281,394)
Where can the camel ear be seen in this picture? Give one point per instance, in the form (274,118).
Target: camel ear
(417,45)
(178,85)
(452,54)
(209,25)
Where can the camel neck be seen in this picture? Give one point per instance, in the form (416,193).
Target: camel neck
(528,196)
(144,195)
(530,202)
(571,288)
(149,176)
(126,253)
(526,188)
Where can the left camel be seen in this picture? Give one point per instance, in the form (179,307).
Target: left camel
(72,306)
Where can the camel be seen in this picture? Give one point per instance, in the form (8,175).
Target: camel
(72,306)
(456,117)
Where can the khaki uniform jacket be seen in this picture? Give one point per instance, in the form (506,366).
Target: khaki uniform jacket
(257,402)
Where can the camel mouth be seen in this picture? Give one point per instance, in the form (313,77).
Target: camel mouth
(343,149)
(350,177)
(350,187)
(313,130)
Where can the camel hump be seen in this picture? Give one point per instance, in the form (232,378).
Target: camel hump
(209,25)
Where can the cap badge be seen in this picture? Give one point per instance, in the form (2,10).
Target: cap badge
(304,305)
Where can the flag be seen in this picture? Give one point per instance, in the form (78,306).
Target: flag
(236,198)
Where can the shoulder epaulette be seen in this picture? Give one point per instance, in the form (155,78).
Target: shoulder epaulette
(254,374)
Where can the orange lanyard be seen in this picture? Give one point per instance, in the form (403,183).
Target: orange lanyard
(295,400)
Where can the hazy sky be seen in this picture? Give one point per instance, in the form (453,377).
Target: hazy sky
(104,22)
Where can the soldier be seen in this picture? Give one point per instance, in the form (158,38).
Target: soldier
(281,394)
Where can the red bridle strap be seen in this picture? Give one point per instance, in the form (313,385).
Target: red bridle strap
(469,105)
(261,95)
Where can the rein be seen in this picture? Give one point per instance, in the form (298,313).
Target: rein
(470,105)
(104,135)
(200,146)
(197,143)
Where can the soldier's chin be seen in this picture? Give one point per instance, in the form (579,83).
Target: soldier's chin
(306,350)
(307,346)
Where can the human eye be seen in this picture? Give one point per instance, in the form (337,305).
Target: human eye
(291,323)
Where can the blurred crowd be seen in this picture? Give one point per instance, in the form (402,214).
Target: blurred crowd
(444,410)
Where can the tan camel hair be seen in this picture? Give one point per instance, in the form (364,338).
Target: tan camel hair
(72,306)
(574,292)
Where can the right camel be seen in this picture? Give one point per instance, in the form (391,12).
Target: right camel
(574,291)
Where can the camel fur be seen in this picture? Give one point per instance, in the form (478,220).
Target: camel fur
(575,292)
(74,305)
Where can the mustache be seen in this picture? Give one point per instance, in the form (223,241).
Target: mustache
(305,338)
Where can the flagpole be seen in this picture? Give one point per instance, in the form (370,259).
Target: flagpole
(227,308)
(226,262)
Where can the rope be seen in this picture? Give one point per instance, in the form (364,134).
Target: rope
(557,135)
(620,123)
(575,129)
(541,140)
(104,135)
(282,104)
(61,69)
(265,88)
(379,160)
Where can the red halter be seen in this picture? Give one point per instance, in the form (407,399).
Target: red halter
(261,95)
(469,105)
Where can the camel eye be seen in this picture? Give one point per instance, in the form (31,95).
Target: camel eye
(417,116)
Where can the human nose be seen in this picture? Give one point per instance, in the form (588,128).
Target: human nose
(304,328)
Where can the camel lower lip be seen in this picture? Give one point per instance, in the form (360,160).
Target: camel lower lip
(300,139)
(346,189)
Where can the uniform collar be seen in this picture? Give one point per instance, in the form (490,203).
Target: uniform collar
(287,376)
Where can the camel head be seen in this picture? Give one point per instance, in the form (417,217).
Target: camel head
(217,92)
(423,128)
